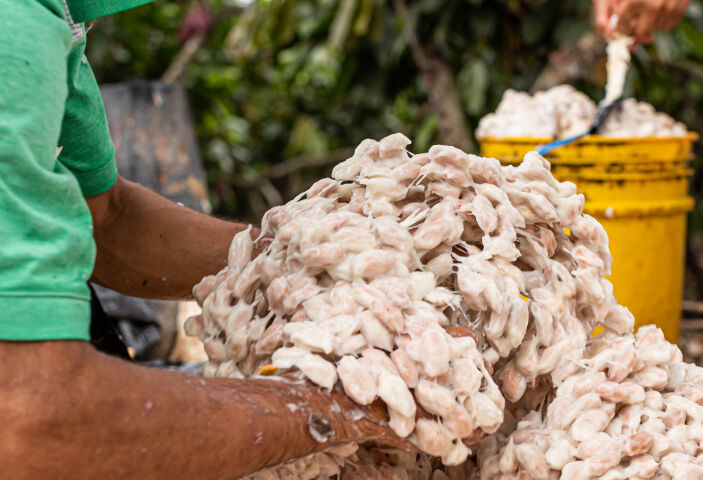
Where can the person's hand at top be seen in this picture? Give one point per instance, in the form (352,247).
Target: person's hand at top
(638,18)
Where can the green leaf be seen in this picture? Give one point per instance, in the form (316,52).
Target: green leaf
(431,6)
(306,137)
(474,80)
(425,134)
(571,29)
(693,36)
(535,26)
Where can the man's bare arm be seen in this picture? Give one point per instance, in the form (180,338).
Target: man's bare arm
(71,412)
(151,247)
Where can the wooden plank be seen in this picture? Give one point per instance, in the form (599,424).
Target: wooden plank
(152,130)
(692,306)
(692,324)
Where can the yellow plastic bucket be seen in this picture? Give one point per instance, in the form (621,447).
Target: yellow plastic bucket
(637,188)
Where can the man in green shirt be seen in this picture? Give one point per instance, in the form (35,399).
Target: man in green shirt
(67,410)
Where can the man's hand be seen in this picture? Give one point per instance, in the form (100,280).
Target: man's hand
(71,412)
(602,11)
(638,18)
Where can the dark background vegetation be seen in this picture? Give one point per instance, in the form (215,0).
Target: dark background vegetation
(283,89)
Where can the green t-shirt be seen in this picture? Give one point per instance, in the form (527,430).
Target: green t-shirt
(84,10)
(49,98)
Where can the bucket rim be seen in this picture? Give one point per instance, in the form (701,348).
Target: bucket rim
(591,139)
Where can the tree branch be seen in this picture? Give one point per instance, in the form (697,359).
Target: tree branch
(688,67)
(442,90)
(305,161)
(573,61)
(183,58)
(290,166)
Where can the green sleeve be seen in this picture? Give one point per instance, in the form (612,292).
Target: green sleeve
(47,248)
(84,10)
(86,147)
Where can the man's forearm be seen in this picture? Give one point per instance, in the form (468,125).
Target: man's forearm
(71,412)
(151,247)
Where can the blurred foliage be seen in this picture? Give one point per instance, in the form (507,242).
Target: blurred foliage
(279,79)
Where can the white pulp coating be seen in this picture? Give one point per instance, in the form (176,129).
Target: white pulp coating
(470,248)
(562,111)
(618,51)
(639,119)
(614,418)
